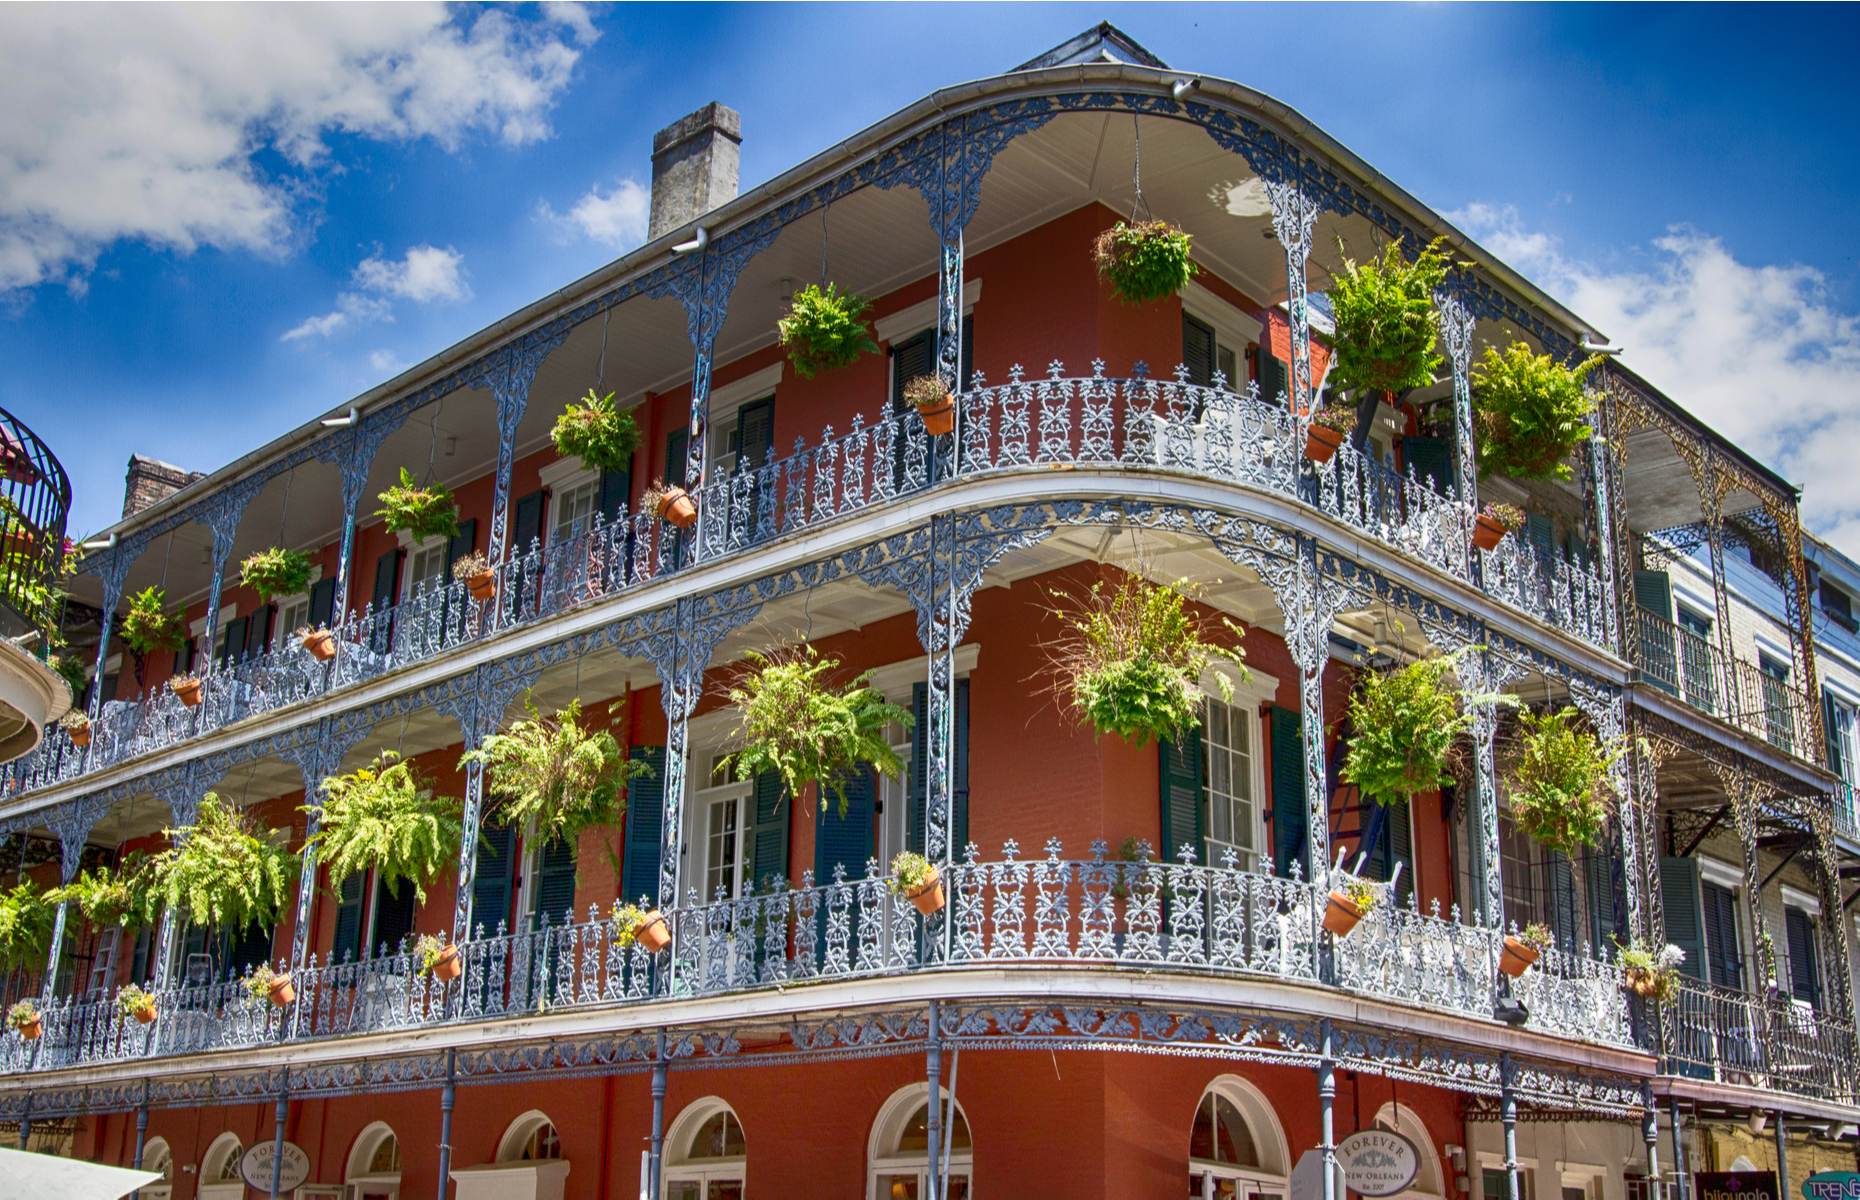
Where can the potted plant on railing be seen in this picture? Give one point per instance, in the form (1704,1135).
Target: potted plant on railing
(1130,658)
(595,430)
(1328,428)
(263,984)
(186,689)
(670,503)
(646,926)
(132,1003)
(438,958)
(1523,949)
(1144,260)
(1531,411)
(77,727)
(422,511)
(1348,904)
(321,643)
(824,329)
(915,878)
(793,722)
(1652,974)
(1494,522)
(1405,724)
(935,406)
(147,626)
(474,570)
(25,1020)
(276,572)
(26,919)
(221,871)
(385,817)
(1558,787)
(553,775)
(1388,330)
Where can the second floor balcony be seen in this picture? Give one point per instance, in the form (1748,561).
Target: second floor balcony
(1758,698)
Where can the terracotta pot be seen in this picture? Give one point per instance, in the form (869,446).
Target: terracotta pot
(1321,443)
(80,735)
(1340,915)
(482,585)
(33,1030)
(188,690)
(1644,984)
(448,966)
(653,933)
(1518,957)
(928,895)
(144,1016)
(321,644)
(1488,532)
(938,418)
(282,991)
(676,508)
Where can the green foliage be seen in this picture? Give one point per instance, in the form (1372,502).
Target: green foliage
(555,775)
(1557,787)
(910,871)
(25,928)
(1531,412)
(1340,417)
(220,872)
(628,920)
(108,896)
(1145,261)
(385,816)
(276,572)
(22,1014)
(148,625)
(825,329)
(1403,726)
(1130,658)
(427,949)
(1508,515)
(797,725)
(1388,330)
(131,999)
(423,512)
(74,671)
(595,430)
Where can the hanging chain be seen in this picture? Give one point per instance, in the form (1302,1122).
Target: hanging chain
(1136,173)
(432,439)
(285,511)
(824,242)
(600,366)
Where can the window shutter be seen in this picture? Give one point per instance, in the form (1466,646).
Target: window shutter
(1563,900)
(492,878)
(616,493)
(347,946)
(1288,791)
(248,948)
(1198,351)
(1834,720)
(1653,594)
(1804,972)
(393,916)
(464,543)
(917,784)
(910,359)
(846,841)
(526,522)
(258,633)
(1541,535)
(1400,842)
(232,644)
(1272,383)
(554,893)
(919,779)
(770,855)
(677,449)
(387,589)
(1182,822)
(968,353)
(959,767)
(1431,460)
(1653,591)
(1599,883)
(322,603)
(1679,897)
(755,433)
(1719,909)
(645,828)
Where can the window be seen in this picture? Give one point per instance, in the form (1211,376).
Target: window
(530,1138)
(156,1156)
(1236,1147)
(1840,730)
(1231,784)
(1723,953)
(1804,968)
(897,1155)
(1205,353)
(1778,721)
(573,508)
(1838,606)
(1695,659)
(374,1165)
(293,614)
(894,793)
(219,1170)
(425,565)
(722,817)
(1495,1186)
(706,1156)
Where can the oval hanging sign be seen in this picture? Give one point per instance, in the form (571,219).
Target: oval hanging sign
(1376,1162)
(1832,1185)
(255,1167)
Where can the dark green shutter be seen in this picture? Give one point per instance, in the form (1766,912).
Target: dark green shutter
(1541,535)
(1679,898)
(770,853)
(919,783)
(1653,594)
(493,877)
(1198,351)
(246,949)
(755,433)
(526,522)
(1834,721)
(1804,972)
(845,841)
(910,359)
(1431,460)
(463,543)
(393,917)
(322,603)
(1289,822)
(1562,899)
(1180,788)
(645,828)
(1599,883)
(1271,376)
(258,633)
(959,786)
(554,892)
(616,493)
(387,589)
(1653,591)
(232,643)
(677,449)
(1400,842)
(1718,907)
(347,946)
(968,353)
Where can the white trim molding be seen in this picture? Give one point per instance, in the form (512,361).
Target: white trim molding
(920,316)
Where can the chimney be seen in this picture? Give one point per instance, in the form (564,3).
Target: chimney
(694,161)
(151,481)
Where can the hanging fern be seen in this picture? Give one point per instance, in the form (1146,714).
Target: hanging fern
(385,816)
(597,432)
(423,512)
(554,775)
(1388,331)
(1531,411)
(1404,726)
(1145,261)
(25,928)
(108,896)
(794,723)
(148,626)
(74,671)
(1558,789)
(825,329)
(276,572)
(221,872)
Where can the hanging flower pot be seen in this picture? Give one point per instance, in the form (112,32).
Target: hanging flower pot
(421,512)
(1652,974)
(474,570)
(321,643)
(1494,522)
(148,626)
(1325,434)
(438,959)
(935,406)
(265,984)
(825,329)
(276,572)
(1531,412)
(1559,786)
(915,878)
(1144,261)
(642,926)
(25,1019)
(132,1002)
(1387,329)
(1346,906)
(671,503)
(187,687)
(77,727)
(597,432)
(1522,950)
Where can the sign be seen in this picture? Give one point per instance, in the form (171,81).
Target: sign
(1832,1185)
(1736,1185)
(255,1167)
(1377,1162)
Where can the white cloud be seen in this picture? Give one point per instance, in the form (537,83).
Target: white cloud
(160,135)
(352,308)
(613,218)
(1763,354)
(386,362)
(424,273)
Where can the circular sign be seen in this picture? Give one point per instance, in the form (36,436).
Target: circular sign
(1376,1162)
(255,1167)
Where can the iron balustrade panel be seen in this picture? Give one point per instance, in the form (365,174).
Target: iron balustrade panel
(35,502)
(1734,1036)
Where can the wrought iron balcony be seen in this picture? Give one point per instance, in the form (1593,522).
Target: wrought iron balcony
(35,499)
(1721,1033)
(1013,914)
(1025,424)
(1691,668)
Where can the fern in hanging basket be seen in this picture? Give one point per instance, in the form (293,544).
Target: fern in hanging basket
(148,625)
(1405,725)
(107,896)
(1388,331)
(276,572)
(422,511)
(1144,261)
(793,722)
(1531,412)
(25,928)
(386,817)
(1559,785)
(74,671)
(556,775)
(222,871)
(1130,658)
(594,430)
(825,329)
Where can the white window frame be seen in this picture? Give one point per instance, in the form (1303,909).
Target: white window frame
(701,793)
(725,399)
(563,479)
(414,552)
(1234,330)
(680,1168)
(358,1181)
(1404,1120)
(1273,1174)
(882,1160)
(1255,689)
(222,1152)
(286,629)
(154,1147)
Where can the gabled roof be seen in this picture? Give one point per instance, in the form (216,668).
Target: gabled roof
(1103,42)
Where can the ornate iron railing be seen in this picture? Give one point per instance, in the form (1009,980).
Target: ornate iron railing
(1057,420)
(1776,710)
(1685,665)
(1096,913)
(1722,1033)
(35,500)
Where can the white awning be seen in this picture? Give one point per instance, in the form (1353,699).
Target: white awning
(26,1176)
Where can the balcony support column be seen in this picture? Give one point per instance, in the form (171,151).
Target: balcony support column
(1781,1124)
(1680,1189)
(1837,965)
(318,756)
(72,825)
(510,375)
(1294,215)
(1743,793)
(477,702)
(111,575)
(1490,898)
(655,1158)
(933,1071)
(277,1134)
(1601,513)
(1456,330)
(222,516)
(1327,1104)
(353,454)
(1712,498)
(448,1096)
(1650,1138)
(1508,1114)
(142,1135)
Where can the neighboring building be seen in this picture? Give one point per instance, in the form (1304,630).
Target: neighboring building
(792,1037)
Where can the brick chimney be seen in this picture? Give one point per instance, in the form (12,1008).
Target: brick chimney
(151,481)
(694,166)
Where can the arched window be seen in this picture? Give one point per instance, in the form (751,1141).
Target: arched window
(706,1157)
(374,1165)
(530,1138)
(1236,1147)
(1428,1178)
(896,1156)
(219,1170)
(156,1156)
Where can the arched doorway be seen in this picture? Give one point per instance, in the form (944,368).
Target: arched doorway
(897,1161)
(1236,1147)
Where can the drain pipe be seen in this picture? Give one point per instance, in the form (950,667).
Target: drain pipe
(1650,1134)
(142,1133)
(1327,1102)
(1782,1155)
(277,1137)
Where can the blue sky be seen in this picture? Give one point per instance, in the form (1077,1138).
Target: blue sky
(383,181)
